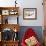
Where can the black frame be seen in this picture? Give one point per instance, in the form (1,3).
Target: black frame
(29,9)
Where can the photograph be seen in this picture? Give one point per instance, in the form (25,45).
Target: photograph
(30,13)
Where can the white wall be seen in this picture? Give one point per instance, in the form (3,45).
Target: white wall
(27,4)
(32,4)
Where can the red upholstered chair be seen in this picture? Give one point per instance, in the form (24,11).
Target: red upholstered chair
(29,33)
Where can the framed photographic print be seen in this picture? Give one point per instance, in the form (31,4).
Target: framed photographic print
(13,12)
(5,12)
(29,13)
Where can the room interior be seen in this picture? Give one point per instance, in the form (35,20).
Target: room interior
(16,16)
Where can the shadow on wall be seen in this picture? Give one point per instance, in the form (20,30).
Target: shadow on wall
(37,29)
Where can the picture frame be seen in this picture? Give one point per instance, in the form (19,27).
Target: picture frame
(5,12)
(30,13)
(13,12)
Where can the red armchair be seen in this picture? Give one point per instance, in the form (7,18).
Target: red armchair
(30,34)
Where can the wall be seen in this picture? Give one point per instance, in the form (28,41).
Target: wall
(32,4)
(36,29)
(27,4)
